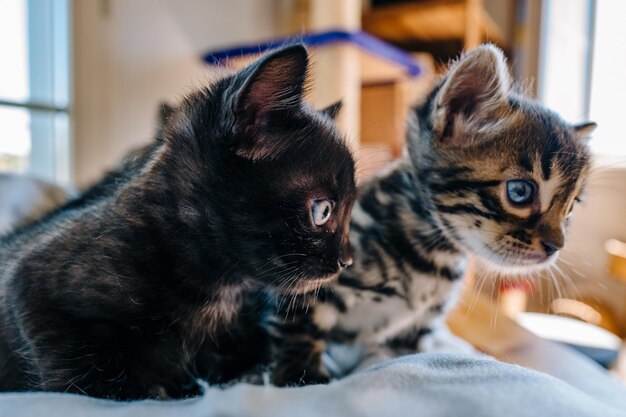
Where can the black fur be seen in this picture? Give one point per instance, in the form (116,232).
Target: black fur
(137,288)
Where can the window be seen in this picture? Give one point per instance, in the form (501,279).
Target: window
(565,50)
(608,82)
(582,67)
(34,88)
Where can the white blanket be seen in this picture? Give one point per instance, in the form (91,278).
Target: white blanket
(418,385)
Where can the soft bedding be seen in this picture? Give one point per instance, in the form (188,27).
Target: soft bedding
(428,385)
(417,385)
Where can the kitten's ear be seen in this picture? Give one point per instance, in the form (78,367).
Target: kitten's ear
(166,111)
(275,82)
(583,131)
(332,110)
(475,88)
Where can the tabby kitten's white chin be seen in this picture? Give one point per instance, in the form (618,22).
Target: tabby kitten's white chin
(517,265)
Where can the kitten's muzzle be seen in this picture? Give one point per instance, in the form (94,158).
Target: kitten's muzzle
(549,247)
(344,258)
(551,238)
(344,263)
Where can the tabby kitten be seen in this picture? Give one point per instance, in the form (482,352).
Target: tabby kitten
(136,290)
(488,174)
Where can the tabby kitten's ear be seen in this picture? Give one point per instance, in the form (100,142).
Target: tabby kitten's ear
(471,97)
(270,87)
(333,110)
(583,131)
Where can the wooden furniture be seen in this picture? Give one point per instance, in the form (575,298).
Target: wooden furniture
(617,259)
(430,21)
(383,115)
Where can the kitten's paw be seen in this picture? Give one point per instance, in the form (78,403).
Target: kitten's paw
(443,340)
(304,377)
(314,378)
(189,390)
(159,393)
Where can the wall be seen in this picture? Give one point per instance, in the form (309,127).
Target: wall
(600,217)
(129,55)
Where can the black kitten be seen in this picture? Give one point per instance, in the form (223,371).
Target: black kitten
(135,289)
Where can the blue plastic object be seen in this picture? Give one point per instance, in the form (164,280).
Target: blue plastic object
(363,40)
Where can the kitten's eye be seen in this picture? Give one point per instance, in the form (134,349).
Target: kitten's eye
(520,192)
(321,211)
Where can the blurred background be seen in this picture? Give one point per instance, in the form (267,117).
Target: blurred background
(81,83)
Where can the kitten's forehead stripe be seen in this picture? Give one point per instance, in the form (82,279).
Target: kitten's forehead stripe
(549,152)
(525,163)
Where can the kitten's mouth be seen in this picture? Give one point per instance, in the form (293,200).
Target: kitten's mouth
(306,284)
(315,283)
(533,258)
(309,285)
(537,259)
(520,263)
(331,276)
(322,279)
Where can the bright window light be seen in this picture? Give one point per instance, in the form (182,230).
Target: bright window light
(14,68)
(583,66)
(608,78)
(34,88)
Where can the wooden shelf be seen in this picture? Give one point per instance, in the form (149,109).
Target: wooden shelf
(617,258)
(432,21)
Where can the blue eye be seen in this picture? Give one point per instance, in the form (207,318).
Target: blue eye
(321,211)
(520,192)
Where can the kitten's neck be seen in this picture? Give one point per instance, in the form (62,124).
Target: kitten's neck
(394,223)
(168,225)
(423,218)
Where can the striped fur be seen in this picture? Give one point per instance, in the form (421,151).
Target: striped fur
(415,227)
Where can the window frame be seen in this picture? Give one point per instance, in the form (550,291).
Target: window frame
(48,103)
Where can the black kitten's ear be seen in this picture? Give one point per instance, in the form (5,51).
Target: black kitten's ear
(332,110)
(275,82)
(583,131)
(475,88)
(165,113)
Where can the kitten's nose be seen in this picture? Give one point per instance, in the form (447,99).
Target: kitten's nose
(344,263)
(551,237)
(344,258)
(549,247)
